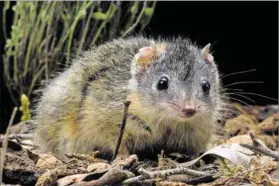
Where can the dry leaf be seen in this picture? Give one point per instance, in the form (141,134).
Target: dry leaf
(232,152)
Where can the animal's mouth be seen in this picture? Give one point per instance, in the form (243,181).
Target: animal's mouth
(184,111)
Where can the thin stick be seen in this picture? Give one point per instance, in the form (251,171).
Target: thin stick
(260,148)
(203,179)
(112,177)
(164,173)
(5,144)
(134,180)
(123,124)
(145,174)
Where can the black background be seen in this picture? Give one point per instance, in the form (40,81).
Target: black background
(244,35)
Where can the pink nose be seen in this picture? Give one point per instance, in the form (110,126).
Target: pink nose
(188,112)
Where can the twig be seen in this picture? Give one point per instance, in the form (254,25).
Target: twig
(123,124)
(203,179)
(5,144)
(260,148)
(145,174)
(134,180)
(112,177)
(164,173)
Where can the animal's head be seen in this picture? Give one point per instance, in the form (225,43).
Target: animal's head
(176,79)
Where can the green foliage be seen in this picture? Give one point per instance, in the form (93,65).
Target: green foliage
(148,11)
(100,16)
(45,35)
(24,108)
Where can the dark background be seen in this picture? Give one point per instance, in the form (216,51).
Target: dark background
(244,35)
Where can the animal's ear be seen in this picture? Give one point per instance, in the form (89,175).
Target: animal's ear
(147,55)
(207,54)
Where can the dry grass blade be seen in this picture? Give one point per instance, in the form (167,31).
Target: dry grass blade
(5,145)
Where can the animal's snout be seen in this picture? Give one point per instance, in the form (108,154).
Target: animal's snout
(184,111)
(188,112)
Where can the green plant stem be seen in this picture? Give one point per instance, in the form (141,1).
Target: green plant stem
(29,47)
(149,17)
(133,14)
(129,30)
(85,31)
(79,15)
(15,67)
(34,79)
(110,12)
(4,18)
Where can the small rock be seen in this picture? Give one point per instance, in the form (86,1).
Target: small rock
(98,167)
(48,161)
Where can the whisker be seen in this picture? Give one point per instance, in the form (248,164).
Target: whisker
(255,94)
(242,102)
(231,93)
(231,98)
(231,110)
(227,89)
(235,73)
(243,82)
(250,107)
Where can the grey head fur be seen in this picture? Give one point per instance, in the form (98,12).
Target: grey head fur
(185,67)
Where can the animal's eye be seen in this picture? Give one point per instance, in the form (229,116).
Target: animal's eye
(205,86)
(163,83)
